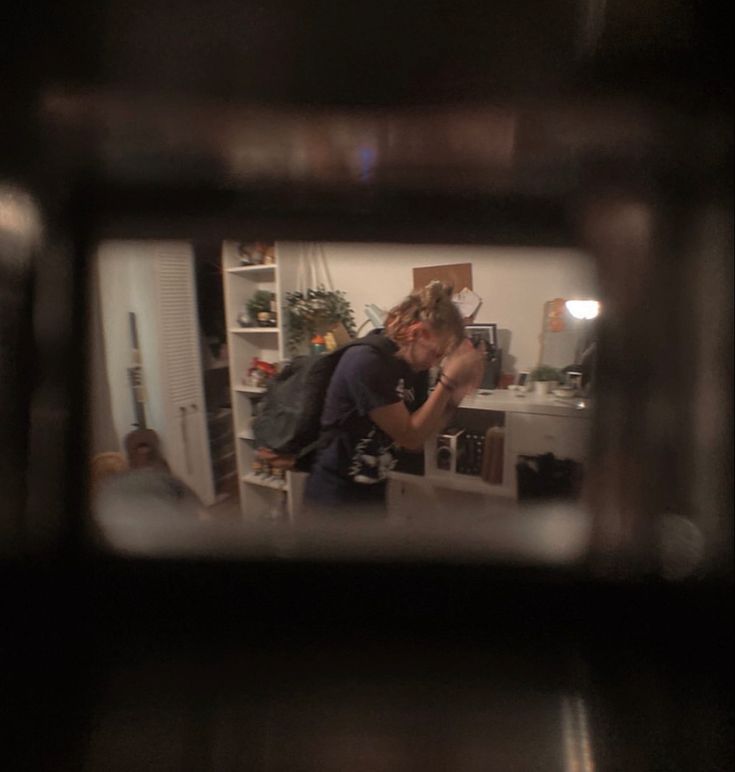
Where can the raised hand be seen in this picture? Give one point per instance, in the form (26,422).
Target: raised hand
(465,368)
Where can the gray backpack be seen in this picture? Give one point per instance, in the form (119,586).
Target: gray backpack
(288,418)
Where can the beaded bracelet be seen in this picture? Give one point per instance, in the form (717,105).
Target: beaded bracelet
(451,380)
(447,382)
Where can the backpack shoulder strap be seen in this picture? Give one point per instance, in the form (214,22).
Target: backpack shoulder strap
(376,341)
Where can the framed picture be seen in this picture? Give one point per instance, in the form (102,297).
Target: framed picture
(522,379)
(485,335)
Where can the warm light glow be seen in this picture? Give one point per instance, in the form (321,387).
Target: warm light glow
(18,213)
(583,309)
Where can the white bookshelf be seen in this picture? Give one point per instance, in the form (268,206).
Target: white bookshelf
(265,482)
(260,496)
(255,330)
(253,270)
(250,389)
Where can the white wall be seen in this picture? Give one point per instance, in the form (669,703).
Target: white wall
(103,436)
(514,284)
(127,283)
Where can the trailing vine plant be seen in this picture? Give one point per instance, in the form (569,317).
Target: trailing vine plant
(315,311)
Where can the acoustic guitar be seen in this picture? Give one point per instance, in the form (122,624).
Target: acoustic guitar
(142,445)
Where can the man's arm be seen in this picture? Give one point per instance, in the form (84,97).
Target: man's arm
(447,419)
(411,430)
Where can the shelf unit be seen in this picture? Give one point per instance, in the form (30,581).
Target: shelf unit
(255,330)
(250,389)
(475,421)
(222,450)
(260,497)
(530,426)
(265,482)
(251,270)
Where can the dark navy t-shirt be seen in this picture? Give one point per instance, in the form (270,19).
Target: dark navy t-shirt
(353,468)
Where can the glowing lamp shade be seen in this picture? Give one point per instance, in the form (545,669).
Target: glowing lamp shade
(583,309)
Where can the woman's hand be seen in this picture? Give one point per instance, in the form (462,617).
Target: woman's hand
(464,367)
(469,387)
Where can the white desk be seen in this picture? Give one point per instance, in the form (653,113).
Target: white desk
(529,402)
(533,424)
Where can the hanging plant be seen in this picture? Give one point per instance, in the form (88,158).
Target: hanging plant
(316,311)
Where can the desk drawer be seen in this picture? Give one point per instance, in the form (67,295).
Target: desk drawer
(531,434)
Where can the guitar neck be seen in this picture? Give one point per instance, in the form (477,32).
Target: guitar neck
(138,393)
(139,408)
(135,373)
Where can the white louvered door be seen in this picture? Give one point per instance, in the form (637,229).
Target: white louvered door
(186,439)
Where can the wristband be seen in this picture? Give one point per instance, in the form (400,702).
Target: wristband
(446,382)
(451,380)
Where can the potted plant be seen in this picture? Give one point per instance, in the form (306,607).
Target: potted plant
(316,311)
(259,310)
(545,378)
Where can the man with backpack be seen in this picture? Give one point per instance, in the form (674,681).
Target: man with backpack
(376,401)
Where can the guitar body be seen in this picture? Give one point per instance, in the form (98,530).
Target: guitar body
(142,446)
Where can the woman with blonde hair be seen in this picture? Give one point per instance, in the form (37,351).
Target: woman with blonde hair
(377,402)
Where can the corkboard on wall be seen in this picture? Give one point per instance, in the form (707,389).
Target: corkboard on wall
(458,275)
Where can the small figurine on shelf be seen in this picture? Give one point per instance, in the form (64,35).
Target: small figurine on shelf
(246,253)
(256,253)
(259,373)
(255,379)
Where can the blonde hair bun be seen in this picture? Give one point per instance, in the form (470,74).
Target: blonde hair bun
(431,304)
(436,292)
